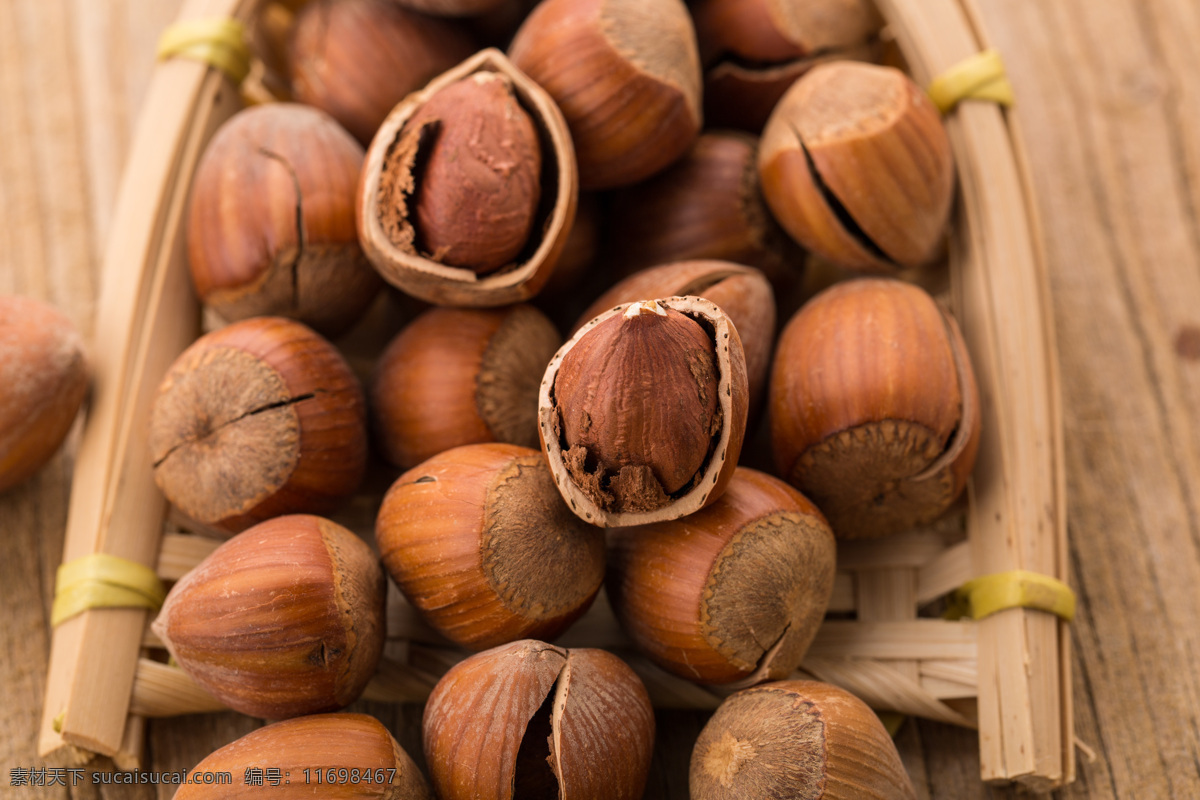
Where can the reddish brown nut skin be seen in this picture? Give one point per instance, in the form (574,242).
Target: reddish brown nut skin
(871,378)
(626,75)
(479,541)
(285,619)
(457,376)
(732,594)
(356,59)
(260,418)
(486,729)
(271,227)
(303,747)
(44,376)
(796,739)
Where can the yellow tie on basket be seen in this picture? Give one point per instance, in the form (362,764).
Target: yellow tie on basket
(218,42)
(981,597)
(104,581)
(979,77)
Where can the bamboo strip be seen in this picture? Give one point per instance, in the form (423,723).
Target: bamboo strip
(912,549)
(146,316)
(881,686)
(181,552)
(1017,503)
(948,690)
(945,573)
(844,592)
(165,691)
(917,639)
(963,671)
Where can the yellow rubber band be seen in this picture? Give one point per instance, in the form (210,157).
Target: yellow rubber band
(218,42)
(980,77)
(981,597)
(104,581)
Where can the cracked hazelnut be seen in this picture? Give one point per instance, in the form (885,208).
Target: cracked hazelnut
(796,739)
(468,190)
(484,548)
(457,376)
(642,413)
(258,419)
(284,619)
(732,594)
(873,406)
(271,226)
(532,721)
(856,166)
(356,59)
(45,377)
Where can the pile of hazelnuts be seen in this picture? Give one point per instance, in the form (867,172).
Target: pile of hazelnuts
(561,181)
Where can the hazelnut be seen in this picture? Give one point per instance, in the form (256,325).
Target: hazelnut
(458,376)
(537,722)
(732,594)
(753,50)
(45,378)
(856,166)
(451,8)
(626,74)
(284,619)
(356,59)
(271,226)
(261,418)
(873,407)
(484,548)
(743,293)
(468,190)
(642,413)
(345,755)
(796,739)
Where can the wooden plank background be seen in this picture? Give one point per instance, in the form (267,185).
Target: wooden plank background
(1109,98)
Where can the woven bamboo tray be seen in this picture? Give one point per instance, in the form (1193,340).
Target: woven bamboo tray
(1007,675)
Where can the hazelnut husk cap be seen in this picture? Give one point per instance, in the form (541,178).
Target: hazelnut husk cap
(442,284)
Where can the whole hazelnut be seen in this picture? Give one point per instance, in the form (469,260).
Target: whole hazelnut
(457,376)
(345,755)
(732,594)
(271,227)
(531,721)
(356,59)
(484,548)
(284,619)
(626,74)
(796,739)
(468,189)
(45,378)
(873,407)
(856,166)
(643,411)
(261,418)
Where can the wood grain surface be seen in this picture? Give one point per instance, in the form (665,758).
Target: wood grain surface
(1109,102)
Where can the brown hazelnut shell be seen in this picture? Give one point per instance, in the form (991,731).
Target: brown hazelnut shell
(772,31)
(732,400)
(300,748)
(257,419)
(479,541)
(732,594)
(626,74)
(457,376)
(284,619)
(856,166)
(796,739)
(45,377)
(874,409)
(742,292)
(442,284)
(356,59)
(529,720)
(270,227)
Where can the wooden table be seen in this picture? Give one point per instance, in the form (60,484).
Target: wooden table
(1110,103)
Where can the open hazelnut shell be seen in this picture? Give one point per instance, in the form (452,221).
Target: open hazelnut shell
(638,408)
(405,267)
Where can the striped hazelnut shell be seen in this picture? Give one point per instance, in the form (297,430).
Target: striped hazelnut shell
(479,541)
(732,594)
(284,619)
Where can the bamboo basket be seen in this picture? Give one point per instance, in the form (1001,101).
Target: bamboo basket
(1007,675)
